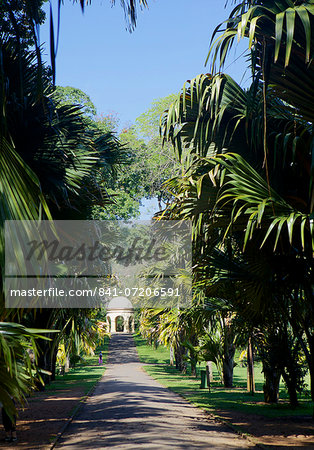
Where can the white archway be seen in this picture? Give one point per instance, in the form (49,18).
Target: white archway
(120,307)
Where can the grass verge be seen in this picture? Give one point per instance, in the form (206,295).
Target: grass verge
(84,375)
(219,399)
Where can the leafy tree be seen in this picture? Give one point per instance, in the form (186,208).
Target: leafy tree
(108,122)
(159,163)
(149,164)
(147,124)
(15,20)
(119,188)
(117,202)
(69,95)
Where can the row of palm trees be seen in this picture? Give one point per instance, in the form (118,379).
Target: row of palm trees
(54,164)
(247,186)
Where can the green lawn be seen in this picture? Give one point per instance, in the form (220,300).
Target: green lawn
(84,375)
(219,398)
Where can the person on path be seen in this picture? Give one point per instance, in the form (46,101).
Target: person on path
(100,358)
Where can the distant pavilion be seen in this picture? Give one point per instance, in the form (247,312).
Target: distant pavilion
(120,315)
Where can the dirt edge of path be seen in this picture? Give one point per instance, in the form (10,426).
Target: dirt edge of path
(77,409)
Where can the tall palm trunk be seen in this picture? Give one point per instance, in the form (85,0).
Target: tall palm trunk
(228,365)
(229,351)
(292,391)
(250,368)
(180,352)
(271,384)
(310,361)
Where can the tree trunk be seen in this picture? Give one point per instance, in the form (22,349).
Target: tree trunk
(228,373)
(228,365)
(67,364)
(180,352)
(159,202)
(208,377)
(53,365)
(228,352)
(171,356)
(271,385)
(209,364)
(293,395)
(250,368)
(311,370)
(179,358)
(193,370)
(309,354)
(184,365)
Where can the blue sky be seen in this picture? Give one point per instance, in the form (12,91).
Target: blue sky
(124,72)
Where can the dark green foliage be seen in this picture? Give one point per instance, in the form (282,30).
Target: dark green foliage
(248,181)
(16,23)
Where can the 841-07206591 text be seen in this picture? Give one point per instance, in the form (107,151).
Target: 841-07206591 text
(101,291)
(139,292)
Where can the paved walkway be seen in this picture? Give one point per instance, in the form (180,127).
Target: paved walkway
(130,410)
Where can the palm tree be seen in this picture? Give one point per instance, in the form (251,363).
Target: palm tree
(245,194)
(53,164)
(47,148)
(18,356)
(281,39)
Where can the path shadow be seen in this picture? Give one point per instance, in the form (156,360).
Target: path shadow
(131,410)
